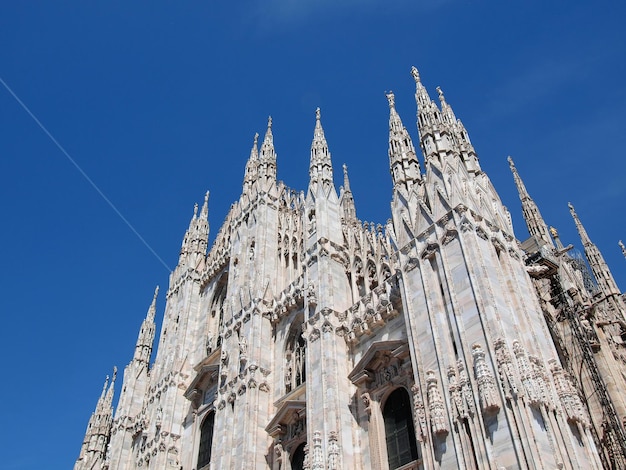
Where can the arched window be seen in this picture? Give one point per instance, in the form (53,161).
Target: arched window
(206,440)
(295,358)
(399,430)
(297,460)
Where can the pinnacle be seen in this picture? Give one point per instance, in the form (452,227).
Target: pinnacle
(254,152)
(204,214)
(346,181)
(267,149)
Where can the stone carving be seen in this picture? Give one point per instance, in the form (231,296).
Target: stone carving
(466,388)
(298,427)
(306,465)
(279,452)
(333,451)
(312,297)
(209,343)
(526,373)
(436,408)
(243,349)
(419,414)
(570,401)
(506,370)
(317,462)
(456,397)
(541,381)
(487,388)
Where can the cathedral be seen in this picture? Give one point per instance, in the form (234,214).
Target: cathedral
(305,338)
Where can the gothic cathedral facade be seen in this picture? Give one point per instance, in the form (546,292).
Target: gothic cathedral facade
(306,338)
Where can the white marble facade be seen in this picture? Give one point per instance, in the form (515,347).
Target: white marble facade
(306,338)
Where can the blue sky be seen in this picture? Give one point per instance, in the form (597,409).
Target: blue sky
(159,101)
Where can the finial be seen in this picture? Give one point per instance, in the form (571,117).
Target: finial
(156,293)
(391,98)
(114,374)
(195,210)
(441,97)
(554,232)
(416,74)
(621,245)
(256,138)
(269,122)
(318,114)
(511,163)
(206,196)
(571,208)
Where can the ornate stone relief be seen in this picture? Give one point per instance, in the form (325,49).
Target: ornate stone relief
(506,370)
(570,400)
(436,407)
(526,374)
(419,414)
(317,460)
(487,388)
(334,452)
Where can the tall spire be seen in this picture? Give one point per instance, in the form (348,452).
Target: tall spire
(347,199)
(600,269)
(267,160)
(403,163)
(535,223)
(204,213)
(429,124)
(321,168)
(145,340)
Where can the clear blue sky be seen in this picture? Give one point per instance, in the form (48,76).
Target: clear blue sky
(159,101)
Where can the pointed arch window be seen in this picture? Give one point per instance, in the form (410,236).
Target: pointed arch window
(206,441)
(399,430)
(295,358)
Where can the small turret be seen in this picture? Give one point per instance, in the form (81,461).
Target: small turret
(346,200)
(403,162)
(600,269)
(535,223)
(267,159)
(321,167)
